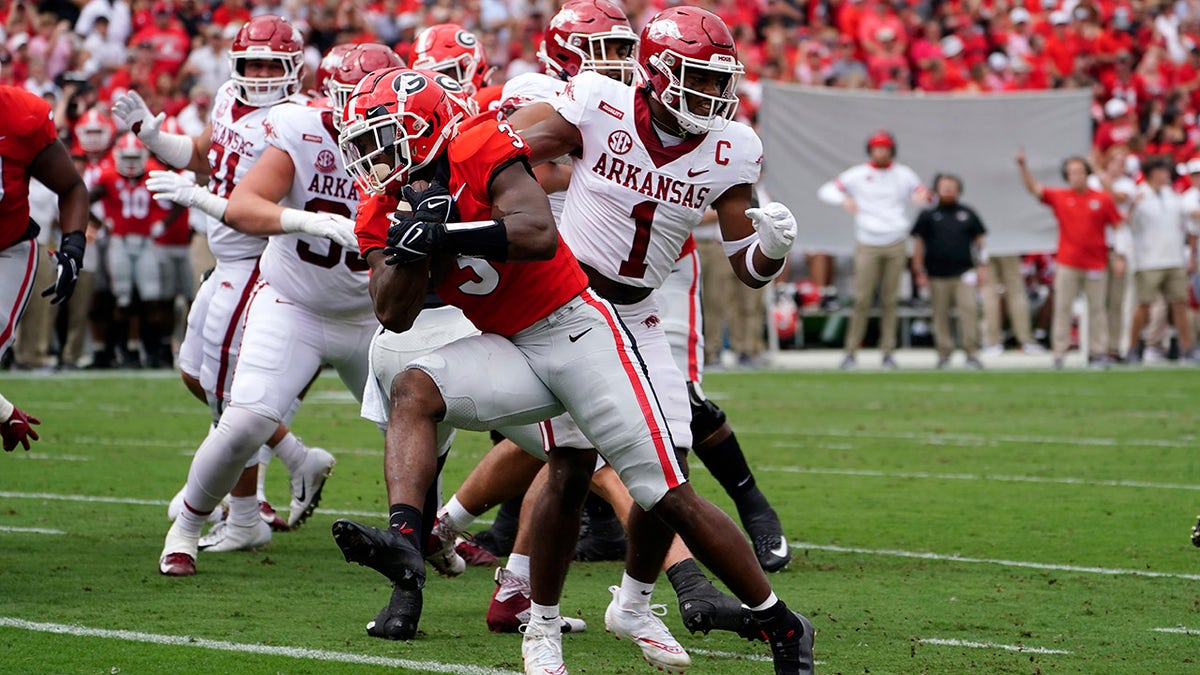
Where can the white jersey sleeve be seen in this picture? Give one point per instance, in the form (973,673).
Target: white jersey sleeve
(529,88)
(309,270)
(635,198)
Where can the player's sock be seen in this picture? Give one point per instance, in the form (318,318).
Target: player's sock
(547,613)
(457,517)
(518,564)
(291,451)
(727,463)
(189,522)
(406,520)
(260,486)
(634,595)
(243,510)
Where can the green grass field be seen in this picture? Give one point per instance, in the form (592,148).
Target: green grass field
(999,522)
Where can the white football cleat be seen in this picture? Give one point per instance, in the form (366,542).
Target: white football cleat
(442,555)
(307,484)
(227,536)
(648,632)
(218,514)
(178,558)
(541,648)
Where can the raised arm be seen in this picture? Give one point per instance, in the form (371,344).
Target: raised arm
(1034,187)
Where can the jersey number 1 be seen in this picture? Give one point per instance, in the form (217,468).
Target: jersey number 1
(635,266)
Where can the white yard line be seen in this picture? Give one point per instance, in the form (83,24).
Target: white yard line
(162,502)
(1108,571)
(225,646)
(1066,480)
(971,439)
(990,645)
(29,530)
(54,456)
(732,655)
(1180,630)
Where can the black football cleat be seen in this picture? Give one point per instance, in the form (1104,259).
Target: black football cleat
(1196,532)
(792,647)
(385,551)
(703,608)
(398,620)
(600,538)
(770,546)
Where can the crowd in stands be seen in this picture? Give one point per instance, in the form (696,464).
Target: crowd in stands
(1140,58)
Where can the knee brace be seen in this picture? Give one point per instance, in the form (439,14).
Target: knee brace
(707,418)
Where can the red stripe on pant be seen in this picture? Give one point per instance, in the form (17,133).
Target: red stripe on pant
(693,373)
(234,321)
(23,293)
(665,453)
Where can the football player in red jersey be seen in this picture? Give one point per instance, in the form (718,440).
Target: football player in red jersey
(549,345)
(648,162)
(451,49)
(29,148)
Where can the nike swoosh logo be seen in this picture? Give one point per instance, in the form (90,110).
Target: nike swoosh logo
(303,485)
(575,338)
(645,592)
(782,549)
(692,173)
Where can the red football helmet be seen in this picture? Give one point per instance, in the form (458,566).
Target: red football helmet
(578,36)
(396,121)
(686,40)
(449,48)
(95,131)
(354,65)
(267,38)
(130,156)
(459,101)
(330,63)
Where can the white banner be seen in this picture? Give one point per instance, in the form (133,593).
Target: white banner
(810,135)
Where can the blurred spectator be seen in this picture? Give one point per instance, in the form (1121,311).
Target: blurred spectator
(207,65)
(878,195)
(117,13)
(1113,178)
(1159,225)
(1082,255)
(167,39)
(728,304)
(105,54)
(1118,127)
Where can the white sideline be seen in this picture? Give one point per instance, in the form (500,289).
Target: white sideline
(990,645)
(225,646)
(870,473)
(1110,571)
(30,530)
(54,457)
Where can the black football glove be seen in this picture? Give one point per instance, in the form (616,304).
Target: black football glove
(413,236)
(69,257)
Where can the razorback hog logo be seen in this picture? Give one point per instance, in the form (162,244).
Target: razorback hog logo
(465,38)
(563,16)
(665,28)
(326,163)
(407,84)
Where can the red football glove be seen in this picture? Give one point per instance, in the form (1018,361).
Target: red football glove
(18,430)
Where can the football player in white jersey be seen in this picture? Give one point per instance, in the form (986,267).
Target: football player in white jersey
(647,162)
(310,307)
(266,60)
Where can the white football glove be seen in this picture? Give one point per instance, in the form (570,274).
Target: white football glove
(776,229)
(338,229)
(171,186)
(133,112)
(157,229)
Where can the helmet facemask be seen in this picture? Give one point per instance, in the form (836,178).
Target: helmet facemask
(262,92)
(677,70)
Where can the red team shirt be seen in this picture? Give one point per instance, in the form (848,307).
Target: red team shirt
(1081,222)
(500,298)
(28,129)
(128,205)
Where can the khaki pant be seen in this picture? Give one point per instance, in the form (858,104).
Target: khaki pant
(32,346)
(880,266)
(1115,292)
(945,295)
(77,318)
(1005,272)
(727,301)
(1068,281)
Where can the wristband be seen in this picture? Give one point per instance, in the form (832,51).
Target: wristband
(6,409)
(487,239)
(732,247)
(750,265)
(210,203)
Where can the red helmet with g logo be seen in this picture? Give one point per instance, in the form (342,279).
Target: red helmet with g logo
(687,40)
(451,49)
(130,155)
(396,121)
(95,131)
(578,37)
(266,38)
(355,64)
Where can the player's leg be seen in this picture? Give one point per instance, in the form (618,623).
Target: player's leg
(713,439)
(121,261)
(155,322)
(191,350)
(18,267)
